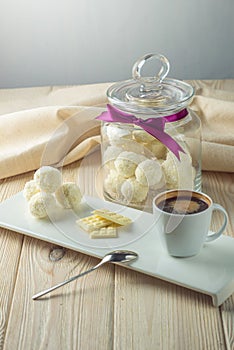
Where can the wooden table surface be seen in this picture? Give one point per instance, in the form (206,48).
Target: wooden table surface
(112,308)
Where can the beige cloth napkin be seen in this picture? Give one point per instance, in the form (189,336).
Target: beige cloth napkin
(46,136)
(59,135)
(216,111)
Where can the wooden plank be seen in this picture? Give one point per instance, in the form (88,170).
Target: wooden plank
(153,314)
(10,250)
(227,314)
(68,318)
(221,186)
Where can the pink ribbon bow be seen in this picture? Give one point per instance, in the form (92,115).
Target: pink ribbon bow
(154,126)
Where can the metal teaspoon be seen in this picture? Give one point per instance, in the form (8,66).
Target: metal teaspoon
(117,256)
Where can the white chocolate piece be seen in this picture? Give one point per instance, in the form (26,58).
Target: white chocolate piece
(93,222)
(112,216)
(148,173)
(68,195)
(127,162)
(133,191)
(48,179)
(30,188)
(41,204)
(104,232)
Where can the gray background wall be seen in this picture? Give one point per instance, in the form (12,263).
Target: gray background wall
(61,42)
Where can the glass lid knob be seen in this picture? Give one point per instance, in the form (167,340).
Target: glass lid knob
(153,82)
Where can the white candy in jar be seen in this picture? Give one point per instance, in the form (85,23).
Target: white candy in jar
(133,191)
(115,134)
(149,173)
(127,162)
(158,149)
(133,146)
(110,154)
(178,173)
(113,182)
(142,136)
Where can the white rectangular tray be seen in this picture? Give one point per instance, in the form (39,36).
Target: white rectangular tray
(211,272)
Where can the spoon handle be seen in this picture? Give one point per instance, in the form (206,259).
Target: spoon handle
(40,294)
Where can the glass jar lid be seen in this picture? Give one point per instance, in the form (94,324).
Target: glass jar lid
(156,94)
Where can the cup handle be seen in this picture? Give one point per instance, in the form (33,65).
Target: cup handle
(215,235)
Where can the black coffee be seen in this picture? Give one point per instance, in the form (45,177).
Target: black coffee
(183,205)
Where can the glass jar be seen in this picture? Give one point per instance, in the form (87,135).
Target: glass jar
(151,141)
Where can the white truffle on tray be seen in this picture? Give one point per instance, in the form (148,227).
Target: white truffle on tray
(127,162)
(133,191)
(48,179)
(68,195)
(148,173)
(30,188)
(179,173)
(41,204)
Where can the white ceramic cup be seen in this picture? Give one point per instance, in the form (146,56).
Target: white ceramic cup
(183,234)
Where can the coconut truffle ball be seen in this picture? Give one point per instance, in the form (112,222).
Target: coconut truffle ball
(115,134)
(30,188)
(178,173)
(113,182)
(110,154)
(133,191)
(41,204)
(133,146)
(68,195)
(148,173)
(158,149)
(48,179)
(142,136)
(127,162)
